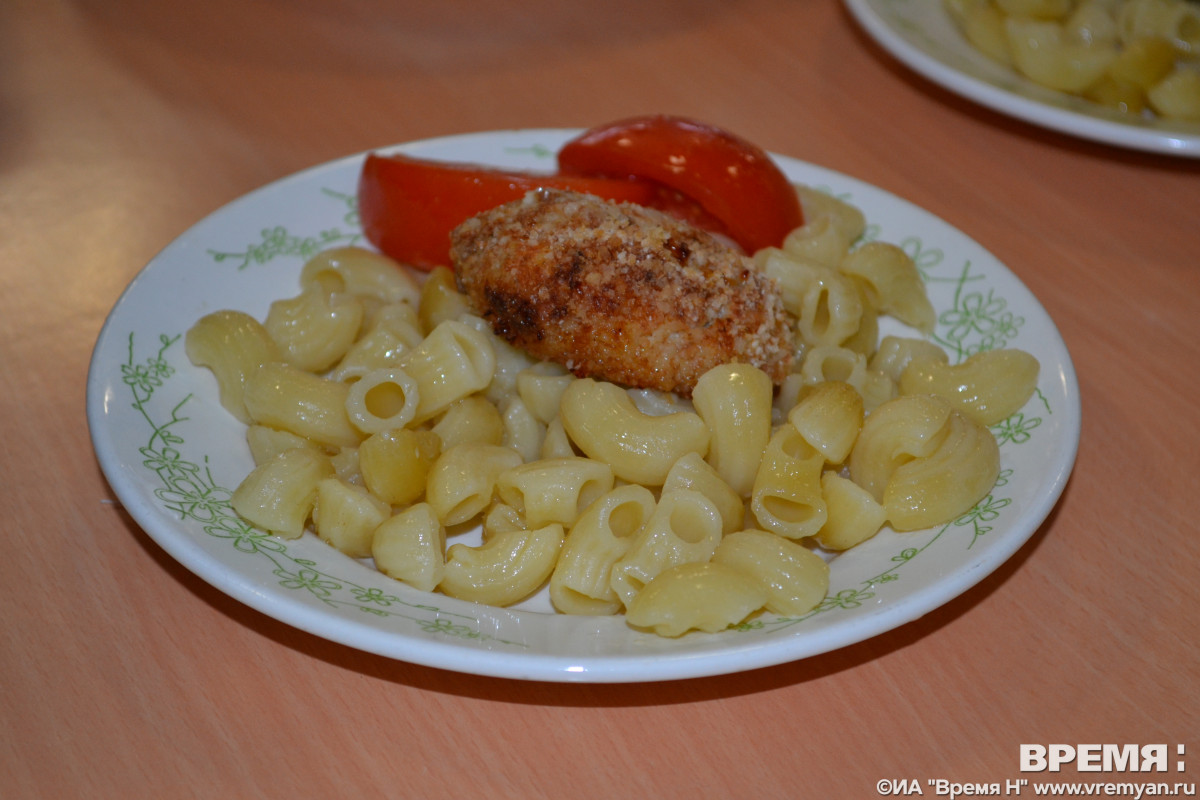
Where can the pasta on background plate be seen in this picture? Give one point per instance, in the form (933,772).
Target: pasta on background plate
(1135,56)
(387,418)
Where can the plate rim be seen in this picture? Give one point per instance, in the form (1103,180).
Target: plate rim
(621,668)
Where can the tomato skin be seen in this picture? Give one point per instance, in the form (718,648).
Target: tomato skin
(732,179)
(409,206)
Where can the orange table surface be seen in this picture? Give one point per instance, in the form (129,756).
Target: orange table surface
(123,675)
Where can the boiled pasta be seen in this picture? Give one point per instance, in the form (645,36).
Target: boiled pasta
(386,417)
(828,417)
(683,528)
(693,472)
(852,515)
(1137,57)
(287,398)
(361,273)
(553,490)
(734,400)
(706,596)
(346,516)
(603,421)
(463,480)
(382,400)
(505,569)
(395,464)
(265,443)
(796,578)
(316,328)
(233,345)
(453,361)
(786,498)
(471,419)
(278,495)
(581,581)
(410,546)
(946,482)
(988,387)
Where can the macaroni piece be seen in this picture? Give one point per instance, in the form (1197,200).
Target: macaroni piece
(234,346)
(895,433)
(382,400)
(463,480)
(472,419)
(581,581)
(523,431)
(395,464)
(346,516)
(693,472)
(266,443)
(361,273)
(453,361)
(683,528)
(924,461)
(389,332)
(795,577)
(846,219)
(316,328)
(852,514)
(603,421)
(787,489)
(826,304)
(948,481)
(278,496)
(707,596)
(411,547)
(504,570)
(988,387)
(553,490)
(734,400)
(828,417)
(893,284)
(287,398)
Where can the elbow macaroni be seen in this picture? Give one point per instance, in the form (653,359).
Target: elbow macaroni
(734,400)
(382,414)
(234,346)
(988,387)
(787,489)
(581,581)
(553,490)
(505,569)
(603,421)
(683,528)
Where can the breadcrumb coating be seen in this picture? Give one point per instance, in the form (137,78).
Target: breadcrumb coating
(619,292)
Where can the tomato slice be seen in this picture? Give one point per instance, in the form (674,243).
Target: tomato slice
(409,206)
(732,179)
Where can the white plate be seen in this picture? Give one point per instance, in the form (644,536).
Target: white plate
(922,36)
(173,455)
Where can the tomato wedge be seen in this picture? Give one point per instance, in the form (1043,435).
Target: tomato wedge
(408,206)
(732,179)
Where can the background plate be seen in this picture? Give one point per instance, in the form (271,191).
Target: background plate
(173,455)
(923,37)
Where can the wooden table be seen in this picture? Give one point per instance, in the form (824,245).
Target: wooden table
(122,122)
